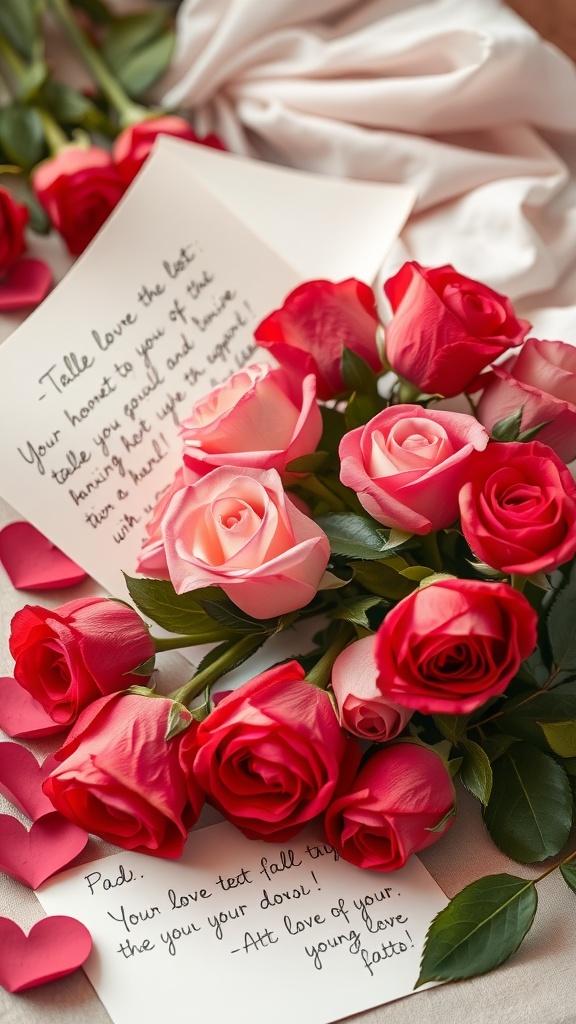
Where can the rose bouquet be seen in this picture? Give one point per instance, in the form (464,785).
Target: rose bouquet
(436,549)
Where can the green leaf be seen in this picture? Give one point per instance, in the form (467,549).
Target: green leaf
(561,627)
(96,10)
(360,409)
(495,746)
(18,22)
(357,374)
(307,463)
(177,613)
(39,220)
(508,428)
(72,108)
(138,49)
(568,872)
(146,668)
(22,135)
(179,719)
(479,929)
(528,435)
(475,772)
(452,727)
(529,814)
(379,578)
(561,737)
(236,621)
(354,610)
(422,572)
(353,536)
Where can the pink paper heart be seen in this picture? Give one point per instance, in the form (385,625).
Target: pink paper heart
(33,562)
(32,856)
(21,779)
(54,947)
(24,284)
(21,716)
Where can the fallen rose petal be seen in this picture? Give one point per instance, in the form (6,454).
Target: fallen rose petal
(21,779)
(24,285)
(31,856)
(21,716)
(33,562)
(54,947)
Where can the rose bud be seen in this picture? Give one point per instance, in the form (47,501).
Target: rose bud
(317,321)
(519,509)
(237,529)
(401,801)
(446,327)
(262,418)
(78,188)
(133,145)
(450,646)
(363,709)
(66,657)
(13,221)
(270,754)
(120,778)
(407,465)
(540,380)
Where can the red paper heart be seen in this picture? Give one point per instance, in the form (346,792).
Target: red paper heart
(54,947)
(21,779)
(24,284)
(21,716)
(32,856)
(33,562)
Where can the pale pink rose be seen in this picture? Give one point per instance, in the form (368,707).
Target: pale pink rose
(407,465)
(237,529)
(541,380)
(151,560)
(262,418)
(363,709)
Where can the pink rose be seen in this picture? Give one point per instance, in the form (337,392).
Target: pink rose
(237,529)
(151,560)
(407,465)
(450,646)
(78,188)
(519,509)
(120,779)
(446,327)
(66,657)
(317,321)
(133,145)
(541,380)
(393,808)
(363,709)
(262,418)
(270,754)
(13,221)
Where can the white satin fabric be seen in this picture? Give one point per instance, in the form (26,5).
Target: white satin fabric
(460,98)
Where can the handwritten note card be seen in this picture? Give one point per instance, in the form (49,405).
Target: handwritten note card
(160,309)
(247,931)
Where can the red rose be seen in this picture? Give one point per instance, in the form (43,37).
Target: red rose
(448,647)
(78,188)
(317,321)
(13,220)
(120,779)
(541,380)
(68,656)
(133,145)
(270,754)
(446,327)
(519,510)
(407,465)
(393,808)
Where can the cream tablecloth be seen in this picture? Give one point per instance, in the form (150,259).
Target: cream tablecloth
(465,101)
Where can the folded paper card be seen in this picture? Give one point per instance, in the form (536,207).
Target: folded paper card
(161,307)
(247,931)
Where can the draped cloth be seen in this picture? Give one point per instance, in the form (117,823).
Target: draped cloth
(460,98)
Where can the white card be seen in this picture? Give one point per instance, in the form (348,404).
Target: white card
(246,931)
(160,308)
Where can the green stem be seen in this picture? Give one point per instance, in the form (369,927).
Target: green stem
(128,111)
(314,486)
(192,640)
(559,863)
(227,660)
(407,392)
(321,673)
(56,139)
